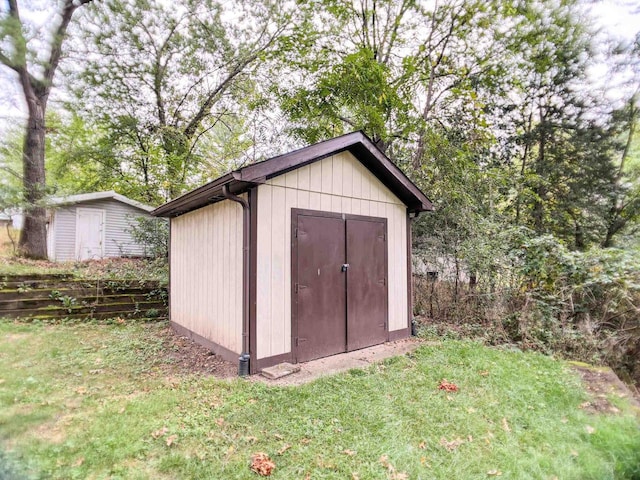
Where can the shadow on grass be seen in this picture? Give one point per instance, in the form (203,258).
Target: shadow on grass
(9,469)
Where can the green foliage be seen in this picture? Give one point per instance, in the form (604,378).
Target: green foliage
(174,88)
(153,234)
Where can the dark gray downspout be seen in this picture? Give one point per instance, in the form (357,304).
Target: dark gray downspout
(243,368)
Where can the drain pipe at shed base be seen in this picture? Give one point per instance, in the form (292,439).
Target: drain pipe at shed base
(243,361)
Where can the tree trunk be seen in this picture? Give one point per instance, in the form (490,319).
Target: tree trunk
(33,237)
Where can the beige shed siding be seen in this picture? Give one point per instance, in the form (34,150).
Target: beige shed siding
(336,184)
(206,273)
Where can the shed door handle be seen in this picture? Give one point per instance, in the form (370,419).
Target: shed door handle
(345,266)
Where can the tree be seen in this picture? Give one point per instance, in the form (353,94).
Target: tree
(175,81)
(35,77)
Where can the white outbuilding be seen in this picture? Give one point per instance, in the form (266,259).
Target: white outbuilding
(93,226)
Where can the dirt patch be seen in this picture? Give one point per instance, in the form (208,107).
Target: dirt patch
(14,337)
(601,383)
(184,356)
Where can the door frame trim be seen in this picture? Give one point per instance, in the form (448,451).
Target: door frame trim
(104,230)
(295,213)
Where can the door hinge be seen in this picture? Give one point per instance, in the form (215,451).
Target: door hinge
(296,233)
(383,281)
(298,287)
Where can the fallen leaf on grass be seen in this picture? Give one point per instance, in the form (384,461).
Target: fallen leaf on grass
(354,476)
(399,476)
(220,421)
(447,386)
(351,453)
(251,439)
(262,464)
(305,441)
(590,430)
(494,473)
(171,439)
(484,373)
(160,433)
(278,436)
(284,449)
(505,425)
(451,445)
(422,445)
(78,462)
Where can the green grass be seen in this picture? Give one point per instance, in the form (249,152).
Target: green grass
(97,401)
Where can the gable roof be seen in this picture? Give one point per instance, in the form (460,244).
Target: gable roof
(87,197)
(241,180)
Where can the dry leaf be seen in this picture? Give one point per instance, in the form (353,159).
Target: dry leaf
(354,476)
(447,386)
(2,381)
(494,473)
(278,436)
(251,439)
(351,453)
(505,425)
(584,405)
(384,461)
(305,441)
(262,464)
(484,373)
(451,445)
(171,439)
(590,430)
(284,449)
(422,445)
(399,476)
(121,410)
(564,420)
(574,453)
(160,433)
(471,410)
(469,439)
(220,421)
(78,462)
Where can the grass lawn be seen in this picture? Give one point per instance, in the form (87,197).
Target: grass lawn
(101,401)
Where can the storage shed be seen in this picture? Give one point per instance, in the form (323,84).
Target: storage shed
(93,226)
(298,257)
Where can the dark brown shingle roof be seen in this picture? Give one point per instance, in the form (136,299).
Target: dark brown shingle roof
(244,178)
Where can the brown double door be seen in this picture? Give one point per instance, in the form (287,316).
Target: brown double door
(339,269)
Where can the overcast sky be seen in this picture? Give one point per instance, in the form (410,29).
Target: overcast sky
(618,18)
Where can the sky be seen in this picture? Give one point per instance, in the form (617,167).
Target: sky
(618,18)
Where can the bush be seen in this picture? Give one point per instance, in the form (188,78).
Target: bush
(583,305)
(153,233)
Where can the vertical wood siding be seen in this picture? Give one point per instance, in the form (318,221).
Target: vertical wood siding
(118,220)
(206,273)
(335,184)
